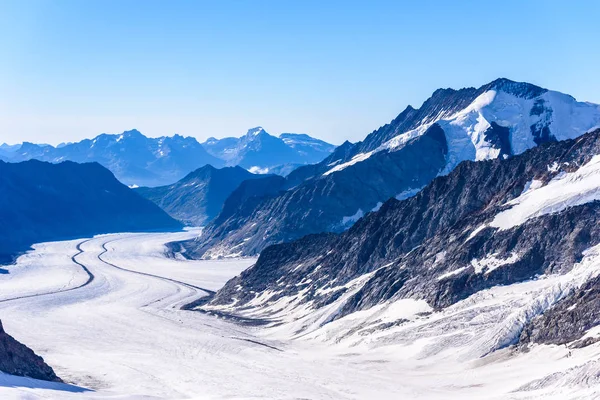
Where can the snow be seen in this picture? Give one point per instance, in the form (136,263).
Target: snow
(408,193)
(460,352)
(476,232)
(492,262)
(356,159)
(465,130)
(554,167)
(532,185)
(353,218)
(592,333)
(124,336)
(258,170)
(451,273)
(563,191)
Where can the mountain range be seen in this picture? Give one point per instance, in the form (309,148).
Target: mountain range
(259,152)
(141,161)
(44,202)
(497,120)
(199,196)
(462,238)
(488,224)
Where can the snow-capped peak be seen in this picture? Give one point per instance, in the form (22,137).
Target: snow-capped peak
(504,118)
(518,89)
(255,131)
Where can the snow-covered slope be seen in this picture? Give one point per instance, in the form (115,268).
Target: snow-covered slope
(123,336)
(526,229)
(498,120)
(524,119)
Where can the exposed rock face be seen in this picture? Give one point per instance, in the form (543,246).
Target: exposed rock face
(570,319)
(199,197)
(42,201)
(498,120)
(18,359)
(444,244)
(330,202)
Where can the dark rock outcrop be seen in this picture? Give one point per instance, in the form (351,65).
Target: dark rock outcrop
(18,359)
(568,320)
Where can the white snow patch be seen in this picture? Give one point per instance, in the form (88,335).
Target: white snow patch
(353,218)
(554,167)
(476,231)
(356,159)
(408,193)
(532,185)
(563,191)
(492,262)
(451,273)
(258,170)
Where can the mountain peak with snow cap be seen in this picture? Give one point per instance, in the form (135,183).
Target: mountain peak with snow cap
(519,89)
(133,133)
(498,120)
(255,131)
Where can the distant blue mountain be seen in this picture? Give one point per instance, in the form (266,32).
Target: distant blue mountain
(199,197)
(141,161)
(134,158)
(260,152)
(42,201)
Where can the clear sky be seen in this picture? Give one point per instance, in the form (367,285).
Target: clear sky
(334,69)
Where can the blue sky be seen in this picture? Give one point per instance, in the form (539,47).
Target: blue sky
(333,69)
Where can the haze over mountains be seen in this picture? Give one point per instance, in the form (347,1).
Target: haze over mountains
(138,160)
(498,120)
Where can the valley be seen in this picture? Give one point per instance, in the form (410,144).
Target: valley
(123,334)
(299,200)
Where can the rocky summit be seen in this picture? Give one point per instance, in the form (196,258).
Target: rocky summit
(496,121)
(486,224)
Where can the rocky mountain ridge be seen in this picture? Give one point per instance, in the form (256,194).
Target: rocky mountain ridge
(137,160)
(199,196)
(486,225)
(498,120)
